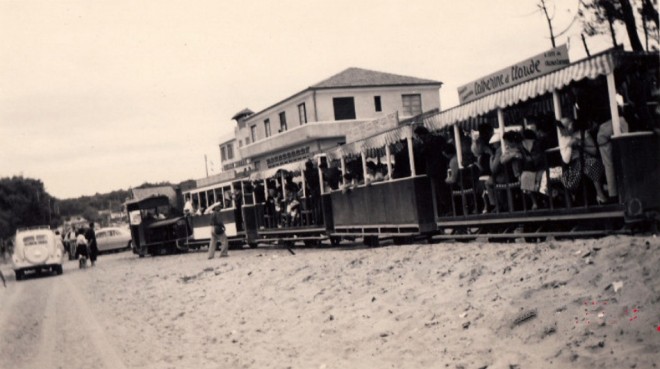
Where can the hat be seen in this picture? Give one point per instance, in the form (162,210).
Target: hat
(496,137)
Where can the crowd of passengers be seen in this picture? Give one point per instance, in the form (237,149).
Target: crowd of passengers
(527,167)
(535,164)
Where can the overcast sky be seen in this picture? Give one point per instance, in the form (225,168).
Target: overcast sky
(98,96)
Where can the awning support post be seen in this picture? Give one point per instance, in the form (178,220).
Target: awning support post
(411,156)
(459,145)
(614,111)
(389,161)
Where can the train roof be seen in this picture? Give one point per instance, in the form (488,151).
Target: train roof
(595,66)
(148,202)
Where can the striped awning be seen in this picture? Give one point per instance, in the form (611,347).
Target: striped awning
(296,168)
(589,68)
(374,142)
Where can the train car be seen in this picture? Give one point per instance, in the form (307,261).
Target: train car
(235,199)
(597,178)
(571,151)
(381,193)
(287,205)
(156,227)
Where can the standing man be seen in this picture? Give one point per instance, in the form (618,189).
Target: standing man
(218,230)
(90,235)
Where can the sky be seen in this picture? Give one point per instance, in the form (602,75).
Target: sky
(97,96)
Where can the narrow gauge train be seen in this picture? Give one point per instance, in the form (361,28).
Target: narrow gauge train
(396,185)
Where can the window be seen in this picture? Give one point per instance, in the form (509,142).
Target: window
(283,126)
(240,143)
(412,104)
(377,103)
(247,140)
(267,127)
(230,151)
(344,108)
(253,133)
(223,153)
(302,114)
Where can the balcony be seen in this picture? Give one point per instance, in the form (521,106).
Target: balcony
(298,135)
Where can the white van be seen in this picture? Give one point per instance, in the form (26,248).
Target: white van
(36,249)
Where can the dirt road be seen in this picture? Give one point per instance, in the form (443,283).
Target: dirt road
(47,323)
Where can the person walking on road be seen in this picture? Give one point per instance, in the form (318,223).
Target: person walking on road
(90,235)
(218,231)
(82,251)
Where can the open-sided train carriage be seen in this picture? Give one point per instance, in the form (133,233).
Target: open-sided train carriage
(235,200)
(380,194)
(587,92)
(287,205)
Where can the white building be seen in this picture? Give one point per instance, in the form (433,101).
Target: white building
(318,118)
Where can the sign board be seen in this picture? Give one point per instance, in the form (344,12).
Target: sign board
(363,130)
(530,68)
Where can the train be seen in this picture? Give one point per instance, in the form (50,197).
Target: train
(464,173)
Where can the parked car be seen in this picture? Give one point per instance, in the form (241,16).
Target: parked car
(113,238)
(37,249)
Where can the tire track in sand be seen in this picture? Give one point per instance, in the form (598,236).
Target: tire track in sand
(107,354)
(48,336)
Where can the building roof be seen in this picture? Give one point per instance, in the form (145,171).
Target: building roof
(358,77)
(242,113)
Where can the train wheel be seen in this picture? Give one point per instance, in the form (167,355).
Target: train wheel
(253,245)
(312,243)
(334,241)
(371,241)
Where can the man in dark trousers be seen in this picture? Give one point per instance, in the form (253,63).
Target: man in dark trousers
(90,235)
(218,231)
(430,160)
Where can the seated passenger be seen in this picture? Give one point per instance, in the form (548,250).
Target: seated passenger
(188,207)
(292,210)
(570,147)
(481,148)
(532,167)
(512,154)
(373,174)
(452,171)
(331,177)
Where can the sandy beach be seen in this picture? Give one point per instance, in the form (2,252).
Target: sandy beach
(556,304)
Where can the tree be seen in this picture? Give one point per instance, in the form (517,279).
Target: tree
(542,6)
(23,203)
(596,15)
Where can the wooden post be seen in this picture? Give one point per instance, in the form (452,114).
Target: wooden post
(411,156)
(363,154)
(459,146)
(302,174)
(389,162)
(231,193)
(614,111)
(343,170)
(318,166)
(556,103)
(283,185)
(500,122)
(265,188)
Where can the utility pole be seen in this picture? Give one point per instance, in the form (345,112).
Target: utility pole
(206,164)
